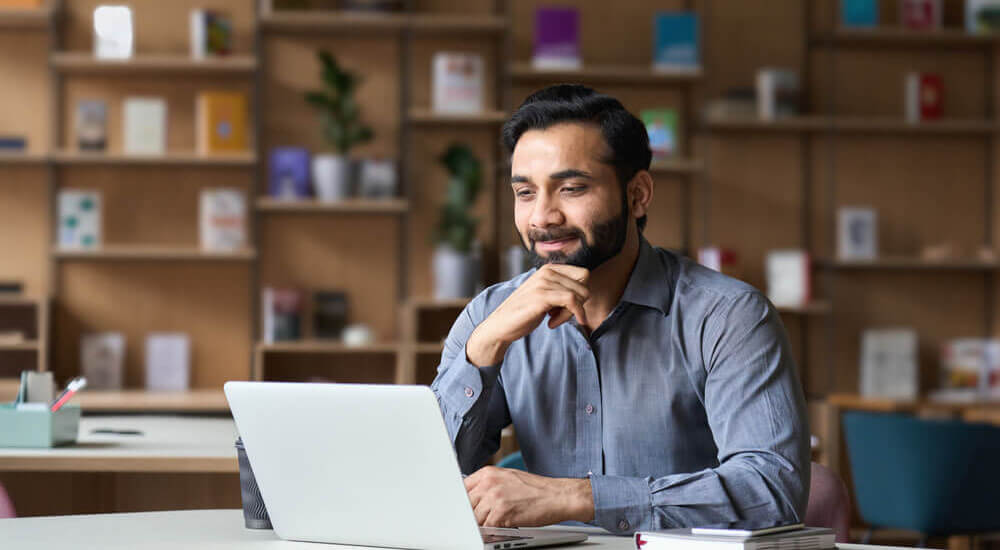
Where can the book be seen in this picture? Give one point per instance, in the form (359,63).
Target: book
(113,34)
(330,310)
(10,144)
(557,38)
(281,313)
(168,361)
(675,41)
(377,179)
(859,13)
(982,16)
(222,219)
(211,34)
(789,278)
(79,219)
(857,233)
(221,122)
(920,14)
(778,93)
(457,82)
(924,97)
(816,538)
(661,126)
(91,125)
(746,528)
(723,260)
(288,173)
(970,363)
(889,366)
(145,125)
(102,360)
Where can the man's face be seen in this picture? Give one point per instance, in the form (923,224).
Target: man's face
(568,204)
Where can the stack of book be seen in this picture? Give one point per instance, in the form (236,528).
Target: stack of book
(744,535)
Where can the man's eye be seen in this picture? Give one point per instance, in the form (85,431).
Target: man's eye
(523,193)
(576,189)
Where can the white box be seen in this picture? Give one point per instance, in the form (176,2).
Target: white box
(889,363)
(113,32)
(222,219)
(458,82)
(168,361)
(102,360)
(857,233)
(789,278)
(79,219)
(144,125)
(775,88)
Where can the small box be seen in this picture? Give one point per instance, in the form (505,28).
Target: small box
(33,425)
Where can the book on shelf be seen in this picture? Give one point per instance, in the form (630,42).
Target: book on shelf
(211,34)
(557,38)
(923,97)
(982,16)
(102,360)
(920,14)
(789,278)
(859,13)
(281,314)
(661,126)
(814,538)
(221,122)
(377,178)
(13,144)
(113,32)
(168,361)
(721,259)
(222,219)
(91,125)
(676,41)
(857,233)
(145,125)
(889,363)
(330,314)
(288,173)
(970,364)
(458,82)
(79,219)
(778,93)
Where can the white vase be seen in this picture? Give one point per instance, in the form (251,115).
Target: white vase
(332,177)
(454,273)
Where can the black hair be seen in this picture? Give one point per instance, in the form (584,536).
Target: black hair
(624,134)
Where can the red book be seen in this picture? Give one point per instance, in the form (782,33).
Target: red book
(924,97)
(920,14)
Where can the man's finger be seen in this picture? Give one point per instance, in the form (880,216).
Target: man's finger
(559,316)
(482,511)
(562,297)
(578,288)
(580,274)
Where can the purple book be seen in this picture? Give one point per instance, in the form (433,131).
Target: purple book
(289,173)
(557,38)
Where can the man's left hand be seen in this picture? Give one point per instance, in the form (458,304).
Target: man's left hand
(503,497)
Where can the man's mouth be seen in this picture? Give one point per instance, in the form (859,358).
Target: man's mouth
(553,245)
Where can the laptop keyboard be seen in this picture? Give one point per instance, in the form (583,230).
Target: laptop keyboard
(487,539)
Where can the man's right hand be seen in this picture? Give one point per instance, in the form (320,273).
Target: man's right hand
(555,289)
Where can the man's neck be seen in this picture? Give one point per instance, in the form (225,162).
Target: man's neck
(608,281)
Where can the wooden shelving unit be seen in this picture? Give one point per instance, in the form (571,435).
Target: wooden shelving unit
(605,74)
(351,206)
(429,117)
(154,253)
(30,317)
(327,347)
(25,19)
(912,264)
(900,37)
(324,21)
(75,158)
(159,64)
(680,166)
(22,159)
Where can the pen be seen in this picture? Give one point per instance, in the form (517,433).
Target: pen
(74,386)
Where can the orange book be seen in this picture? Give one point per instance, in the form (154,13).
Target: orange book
(20,3)
(221,122)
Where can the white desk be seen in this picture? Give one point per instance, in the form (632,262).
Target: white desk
(194,530)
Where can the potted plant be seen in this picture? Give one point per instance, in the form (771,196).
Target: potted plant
(455,263)
(342,128)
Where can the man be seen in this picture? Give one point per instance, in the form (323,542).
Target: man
(658,393)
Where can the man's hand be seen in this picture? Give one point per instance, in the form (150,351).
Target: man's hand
(555,289)
(503,497)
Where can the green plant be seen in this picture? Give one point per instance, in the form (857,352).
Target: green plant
(456,226)
(341,116)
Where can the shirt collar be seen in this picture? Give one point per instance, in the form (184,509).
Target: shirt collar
(650,283)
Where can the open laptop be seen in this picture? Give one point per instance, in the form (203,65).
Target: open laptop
(363,465)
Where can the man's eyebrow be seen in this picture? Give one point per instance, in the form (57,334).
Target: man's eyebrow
(520,179)
(571,173)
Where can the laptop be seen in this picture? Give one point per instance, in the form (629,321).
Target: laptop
(367,465)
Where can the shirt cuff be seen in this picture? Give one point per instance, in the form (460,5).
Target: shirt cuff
(622,505)
(462,384)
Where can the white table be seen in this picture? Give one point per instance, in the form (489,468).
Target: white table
(195,530)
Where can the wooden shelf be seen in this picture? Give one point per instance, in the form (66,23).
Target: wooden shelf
(813,308)
(912,264)
(753,124)
(323,21)
(678,166)
(86,63)
(902,37)
(331,347)
(430,117)
(434,303)
(428,348)
(153,253)
(855,125)
(608,74)
(22,159)
(352,206)
(27,345)
(19,300)
(120,401)
(75,158)
(439,24)
(15,18)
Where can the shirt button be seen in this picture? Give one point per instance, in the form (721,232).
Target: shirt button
(589,409)
(590,473)
(623,525)
(469,392)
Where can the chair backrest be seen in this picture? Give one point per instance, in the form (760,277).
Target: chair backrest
(829,503)
(6,506)
(938,477)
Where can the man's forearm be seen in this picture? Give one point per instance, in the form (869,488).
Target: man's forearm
(579,498)
(484,350)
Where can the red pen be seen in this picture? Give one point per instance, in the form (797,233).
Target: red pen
(74,386)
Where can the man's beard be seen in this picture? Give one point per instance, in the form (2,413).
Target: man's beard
(609,239)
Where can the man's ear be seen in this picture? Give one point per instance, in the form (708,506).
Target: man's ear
(640,193)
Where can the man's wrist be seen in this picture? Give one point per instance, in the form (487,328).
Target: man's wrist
(483,350)
(579,498)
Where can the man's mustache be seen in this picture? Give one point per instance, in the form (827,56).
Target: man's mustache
(554,234)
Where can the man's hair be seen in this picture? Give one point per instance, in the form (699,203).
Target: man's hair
(624,134)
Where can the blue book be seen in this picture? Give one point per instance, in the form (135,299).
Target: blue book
(859,13)
(675,41)
(13,143)
(288,173)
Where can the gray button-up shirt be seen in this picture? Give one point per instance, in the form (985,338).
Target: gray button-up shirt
(683,407)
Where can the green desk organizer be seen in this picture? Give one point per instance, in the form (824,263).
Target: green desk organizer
(38,427)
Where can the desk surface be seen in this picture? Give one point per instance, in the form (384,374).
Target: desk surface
(199,529)
(167,444)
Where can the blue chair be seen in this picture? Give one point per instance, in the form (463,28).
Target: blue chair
(936,477)
(513,460)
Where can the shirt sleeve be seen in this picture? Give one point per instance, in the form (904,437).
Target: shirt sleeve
(471,398)
(757,413)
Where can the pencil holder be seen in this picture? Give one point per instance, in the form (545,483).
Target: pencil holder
(34,425)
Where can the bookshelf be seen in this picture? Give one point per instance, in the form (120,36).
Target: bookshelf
(154,254)
(172,159)
(86,63)
(605,74)
(352,206)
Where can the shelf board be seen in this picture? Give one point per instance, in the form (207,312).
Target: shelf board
(438,24)
(430,117)
(680,166)
(153,253)
(323,21)
(19,158)
(19,300)
(86,63)
(612,74)
(912,264)
(76,158)
(322,346)
(813,308)
(854,125)
(903,37)
(754,124)
(27,345)
(434,303)
(429,348)
(18,18)
(352,206)
(120,401)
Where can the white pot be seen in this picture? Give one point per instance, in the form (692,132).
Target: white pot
(332,177)
(455,274)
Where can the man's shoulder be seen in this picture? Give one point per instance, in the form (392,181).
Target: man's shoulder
(703,286)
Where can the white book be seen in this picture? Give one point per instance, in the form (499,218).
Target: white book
(113,32)
(79,219)
(777,93)
(808,538)
(458,82)
(168,361)
(857,233)
(102,360)
(145,125)
(889,365)
(222,219)
(789,278)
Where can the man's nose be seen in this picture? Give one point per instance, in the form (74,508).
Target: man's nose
(546,212)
